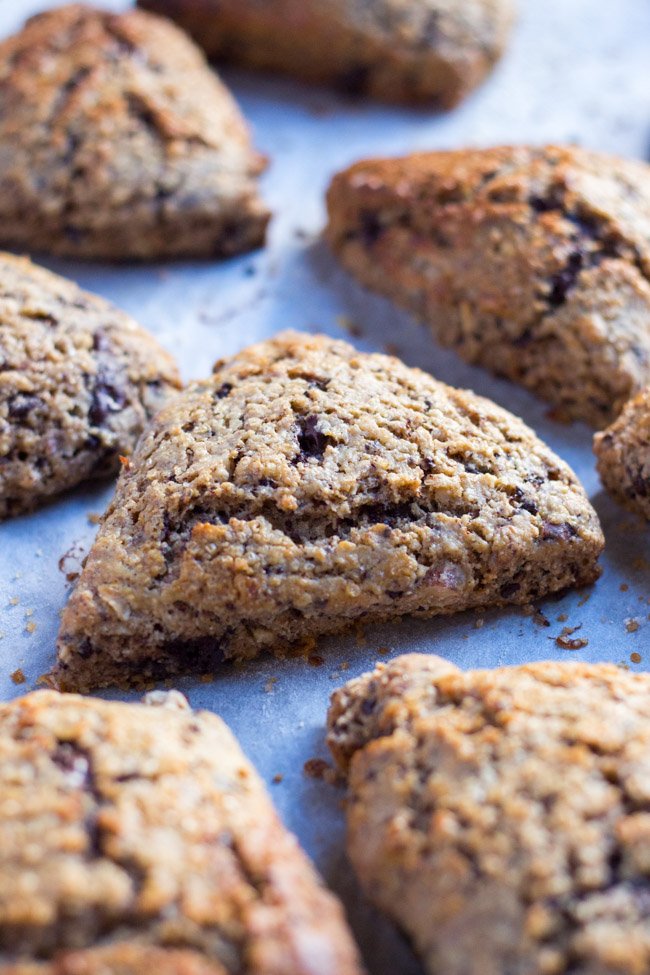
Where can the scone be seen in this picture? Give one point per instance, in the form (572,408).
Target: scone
(502,817)
(305,487)
(532,262)
(79,380)
(117,142)
(139,840)
(623,452)
(433,51)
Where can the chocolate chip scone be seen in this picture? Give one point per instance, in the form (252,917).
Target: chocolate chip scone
(502,817)
(79,380)
(532,262)
(118,142)
(138,839)
(623,452)
(433,51)
(305,487)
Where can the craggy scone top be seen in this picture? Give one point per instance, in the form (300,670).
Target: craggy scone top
(306,486)
(503,817)
(432,51)
(139,840)
(118,142)
(532,261)
(79,380)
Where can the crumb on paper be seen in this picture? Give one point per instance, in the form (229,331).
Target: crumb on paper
(278,777)
(361,637)
(539,619)
(270,685)
(631,625)
(479,623)
(383,651)
(31,626)
(349,326)
(624,587)
(315,660)
(206,678)
(316,768)
(565,642)
(635,658)
(335,675)
(585,599)
(345,665)
(640,563)
(563,617)
(44,680)
(94,518)
(29,612)
(18,677)
(14,600)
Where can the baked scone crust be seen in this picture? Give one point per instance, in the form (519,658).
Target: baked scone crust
(623,452)
(138,839)
(118,142)
(502,817)
(432,51)
(79,380)
(534,262)
(304,487)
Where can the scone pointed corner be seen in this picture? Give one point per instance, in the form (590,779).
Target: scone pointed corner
(119,143)
(305,487)
(533,262)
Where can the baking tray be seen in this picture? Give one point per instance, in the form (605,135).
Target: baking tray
(578,72)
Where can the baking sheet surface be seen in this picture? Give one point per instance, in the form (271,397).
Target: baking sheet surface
(576,71)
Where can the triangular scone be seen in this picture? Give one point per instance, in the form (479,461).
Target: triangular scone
(137,839)
(433,51)
(118,142)
(79,381)
(501,817)
(306,486)
(532,262)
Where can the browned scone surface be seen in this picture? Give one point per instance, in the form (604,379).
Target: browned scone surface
(79,380)
(502,817)
(623,452)
(532,262)
(305,487)
(118,142)
(433,51)
(137,840)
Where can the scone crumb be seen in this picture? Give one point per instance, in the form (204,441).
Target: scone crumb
(315,660)
(14,600)
(206,678)
(631,625)
(624,587)
(30,626)
(640,563)
(277,778)
(270,685)
(316,768)
(18,677)
(635,658)
(94,518)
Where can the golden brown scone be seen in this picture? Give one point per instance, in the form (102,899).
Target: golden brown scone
(79,380)
(623,452)
(502,817)
(532,262)
(137,840)
(117,142)
(433,51)
(305,487)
